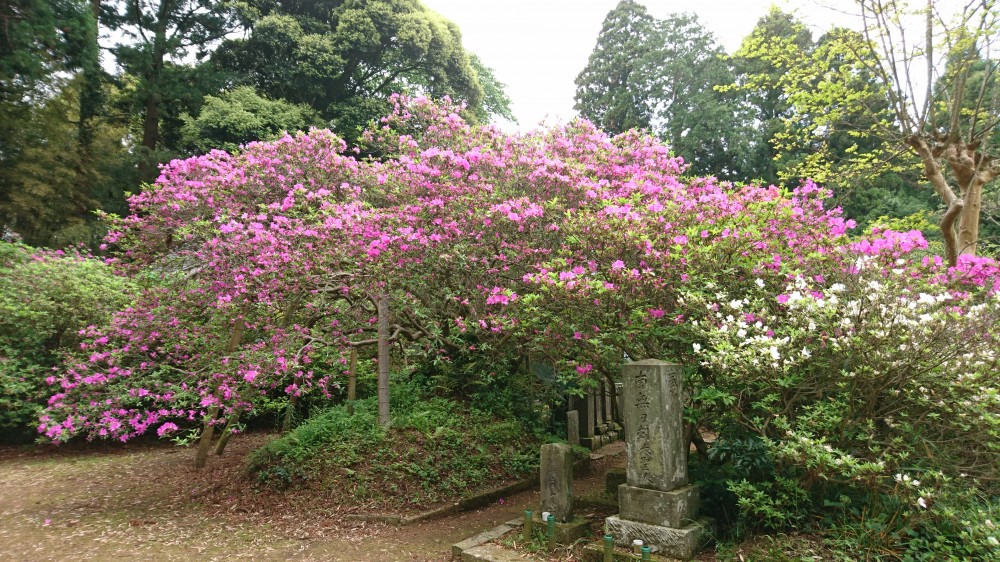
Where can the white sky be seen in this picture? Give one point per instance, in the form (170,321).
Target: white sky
(537,47)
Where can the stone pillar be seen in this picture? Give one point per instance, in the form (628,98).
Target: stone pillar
(587,420)
(620,397)
(654,428)
(599,406)
(573,427)
(656,503)
(557,481)
(608,413)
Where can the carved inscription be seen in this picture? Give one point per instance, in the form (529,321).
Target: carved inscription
(643,443)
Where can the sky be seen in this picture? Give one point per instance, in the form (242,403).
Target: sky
(537,47)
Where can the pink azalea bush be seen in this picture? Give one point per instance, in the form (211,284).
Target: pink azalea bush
(261,269)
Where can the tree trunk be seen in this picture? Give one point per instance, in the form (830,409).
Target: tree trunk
(968,228)
(205,441)
(383,360)
(352,381)
(286,424)
(208,428)
(152,97)
(234,419)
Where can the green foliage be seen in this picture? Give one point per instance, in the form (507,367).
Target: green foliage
(45,200)
(344,59)
(45,300)
(496,102)
(151,35)
(241,116)
(866,411)
(663,75)
(607,93)
(436,449)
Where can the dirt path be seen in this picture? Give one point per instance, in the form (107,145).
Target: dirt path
(144,502)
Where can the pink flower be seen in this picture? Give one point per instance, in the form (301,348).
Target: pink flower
(656,312)
(168,427)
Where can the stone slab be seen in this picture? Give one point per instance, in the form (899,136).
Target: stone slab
(666,541)
(573,427)
(594,552)
(458,549)
(556,481)
(675,508)
(588,418)
(493,553)
(655,446)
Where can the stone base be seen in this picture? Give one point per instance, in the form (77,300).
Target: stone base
(680,543)
(565,533)
(675,508)
(615,477)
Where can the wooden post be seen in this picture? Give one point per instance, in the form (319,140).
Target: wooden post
(383,360)
(352,381)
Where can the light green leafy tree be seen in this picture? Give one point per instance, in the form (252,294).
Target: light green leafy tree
(926,72)
(345,58)
(235,118)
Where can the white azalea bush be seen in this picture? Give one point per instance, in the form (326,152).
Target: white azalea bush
(874,391)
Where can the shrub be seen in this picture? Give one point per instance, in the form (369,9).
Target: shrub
(46,298)
(873,387)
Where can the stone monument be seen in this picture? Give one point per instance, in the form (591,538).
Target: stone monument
(656,504)
(556,481)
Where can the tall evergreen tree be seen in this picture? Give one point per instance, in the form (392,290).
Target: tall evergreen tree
(42,44)
(681,73)
(156,35)
(757,79)
(610,91)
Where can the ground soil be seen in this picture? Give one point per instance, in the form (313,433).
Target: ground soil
(146,502)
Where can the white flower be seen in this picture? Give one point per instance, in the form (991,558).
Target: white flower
(992,540)
(922,502)
(806,353)
(697,347)
(759,282)
(838,287)
(774,353)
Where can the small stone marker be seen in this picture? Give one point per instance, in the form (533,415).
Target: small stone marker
(557,481)
(573,427)
(656,503)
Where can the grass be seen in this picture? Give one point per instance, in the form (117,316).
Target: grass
(436,450)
